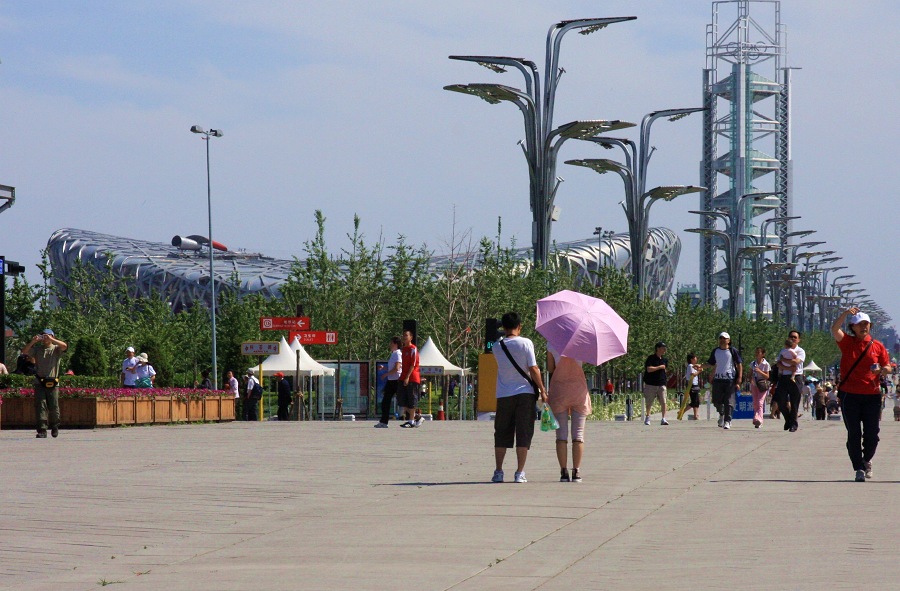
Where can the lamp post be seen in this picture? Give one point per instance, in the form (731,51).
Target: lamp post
(734,230)
(634,175)
(212,277)
(542,142)
(598,232)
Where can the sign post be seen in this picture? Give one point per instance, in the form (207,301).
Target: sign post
(284,323)
(314,337)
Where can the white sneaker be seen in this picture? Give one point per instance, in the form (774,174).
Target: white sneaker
(498,476)
(646,420)
(727,425)
(721,420)
(380,425)
(664,422)
(418,422)
(520,477)
(868,469)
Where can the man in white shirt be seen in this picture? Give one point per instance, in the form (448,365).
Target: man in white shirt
(514,420)
(250,401)
(129,369)
(394,369)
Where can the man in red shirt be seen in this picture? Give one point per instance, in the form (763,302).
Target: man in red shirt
(863,361)
(408,391)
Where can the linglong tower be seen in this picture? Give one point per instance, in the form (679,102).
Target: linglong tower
(746,139)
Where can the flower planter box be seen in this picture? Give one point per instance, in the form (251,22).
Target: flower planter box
(93,412)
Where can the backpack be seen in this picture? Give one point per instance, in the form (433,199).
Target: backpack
(256,392)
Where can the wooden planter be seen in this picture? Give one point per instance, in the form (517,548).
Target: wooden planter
(97,412)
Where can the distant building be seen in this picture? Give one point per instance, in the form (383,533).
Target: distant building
(181,273)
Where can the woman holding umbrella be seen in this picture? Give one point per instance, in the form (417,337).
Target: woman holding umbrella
(568,395)
(579,329)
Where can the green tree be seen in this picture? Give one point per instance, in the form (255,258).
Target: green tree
(88,357)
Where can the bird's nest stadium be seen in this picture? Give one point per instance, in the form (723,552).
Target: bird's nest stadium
(179,269)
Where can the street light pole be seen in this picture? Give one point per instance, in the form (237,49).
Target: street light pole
(542,142)
(212,277)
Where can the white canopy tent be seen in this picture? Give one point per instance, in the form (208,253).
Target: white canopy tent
(432,361)
(812,367)
(307,363)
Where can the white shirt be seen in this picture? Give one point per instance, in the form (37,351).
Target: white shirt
(725,362)
(801,355)
(130,376)
(250,382)
(509,381)
(233,387)
(144,370)
(396,359)
(693,380)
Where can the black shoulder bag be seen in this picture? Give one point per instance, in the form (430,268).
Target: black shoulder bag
(528,379)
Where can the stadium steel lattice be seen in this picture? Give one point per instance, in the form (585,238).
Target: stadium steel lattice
(182,275)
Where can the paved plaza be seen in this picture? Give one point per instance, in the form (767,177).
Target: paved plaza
(343,506)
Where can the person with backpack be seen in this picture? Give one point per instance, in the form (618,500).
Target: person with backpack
(728,374)
(253,394)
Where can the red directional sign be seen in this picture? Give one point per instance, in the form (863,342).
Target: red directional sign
(284,323)
(315,337)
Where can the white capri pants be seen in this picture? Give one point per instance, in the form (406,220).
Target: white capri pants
(578,419)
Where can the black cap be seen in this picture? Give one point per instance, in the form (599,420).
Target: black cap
(660,344)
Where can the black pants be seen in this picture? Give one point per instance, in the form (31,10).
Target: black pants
(250,408)
(284,405)
(786,392)
(862,413)
(723,397)
(820,413)
(390,388)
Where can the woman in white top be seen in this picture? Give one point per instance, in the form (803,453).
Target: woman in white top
(568,395)
(759,385)
(145,372)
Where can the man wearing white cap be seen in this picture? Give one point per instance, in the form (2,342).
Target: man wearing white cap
(727,376)
(863,361)
(129,369)
(251,402)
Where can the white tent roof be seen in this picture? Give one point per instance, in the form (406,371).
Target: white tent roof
(431,357)
(286,362)
(812,367)
(307,363)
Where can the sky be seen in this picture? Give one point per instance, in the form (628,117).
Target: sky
(339,106)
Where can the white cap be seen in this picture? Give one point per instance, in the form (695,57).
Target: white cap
(725,334)
(859,317)
(251,371)
(129,350)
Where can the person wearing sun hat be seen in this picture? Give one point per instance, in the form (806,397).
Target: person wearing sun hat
(863,361)
(146,375)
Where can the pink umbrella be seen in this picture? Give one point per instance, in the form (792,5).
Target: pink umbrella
(581,327)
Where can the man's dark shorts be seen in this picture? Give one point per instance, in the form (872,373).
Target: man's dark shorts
(514,421)
(408,395)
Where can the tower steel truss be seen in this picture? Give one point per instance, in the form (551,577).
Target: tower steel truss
(746,135)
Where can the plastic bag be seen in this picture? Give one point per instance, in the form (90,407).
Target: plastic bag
(548,421)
